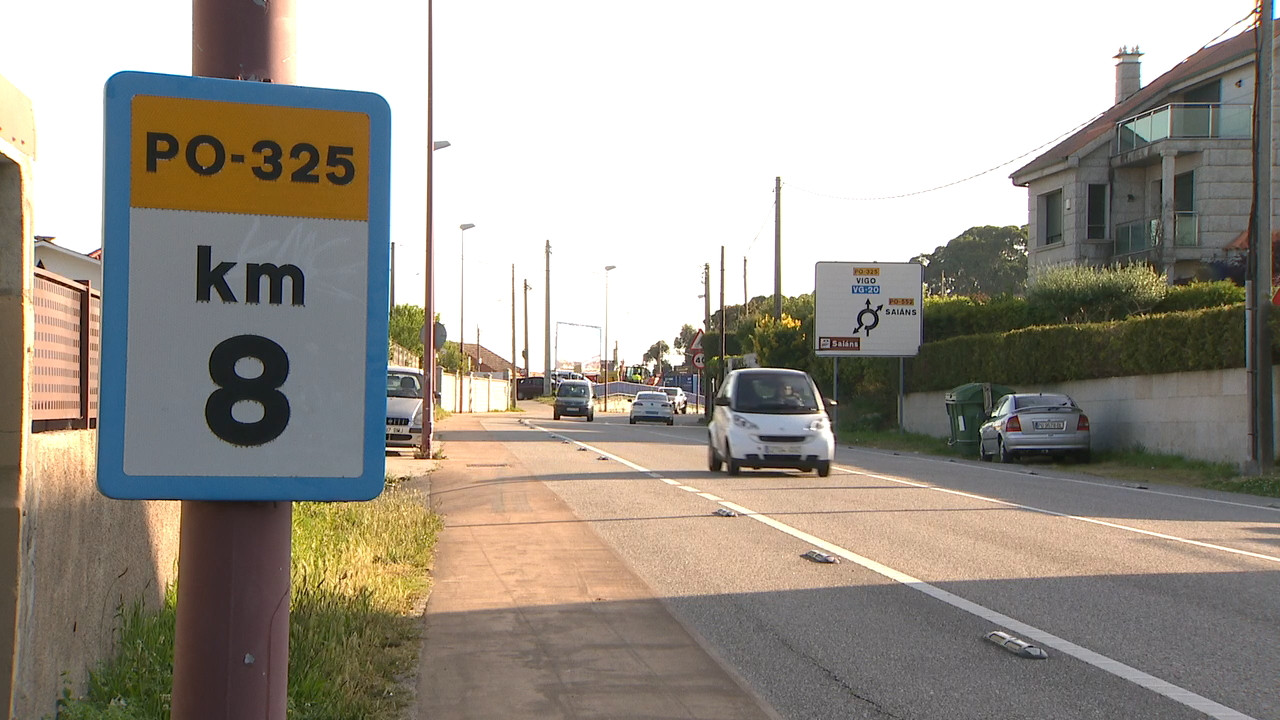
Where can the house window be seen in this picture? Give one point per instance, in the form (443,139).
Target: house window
(1097,212)
(1184,192)
(1051,222)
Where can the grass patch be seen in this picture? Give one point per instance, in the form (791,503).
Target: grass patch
(359,574)
(901,441)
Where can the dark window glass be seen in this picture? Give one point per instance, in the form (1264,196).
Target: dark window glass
(1097,212)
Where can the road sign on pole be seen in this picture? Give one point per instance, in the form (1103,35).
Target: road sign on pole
(245,291)
(699,360)
(868,309)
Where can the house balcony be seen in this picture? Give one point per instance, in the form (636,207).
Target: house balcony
(1182,121)
(1144,235)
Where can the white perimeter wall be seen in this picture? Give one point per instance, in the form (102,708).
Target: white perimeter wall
(1200,415)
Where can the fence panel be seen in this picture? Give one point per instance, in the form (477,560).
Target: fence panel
(68,329)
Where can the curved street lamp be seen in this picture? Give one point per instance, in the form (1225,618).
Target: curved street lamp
(462,306)
(604,356)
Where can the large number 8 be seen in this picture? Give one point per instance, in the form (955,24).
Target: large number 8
(233,388)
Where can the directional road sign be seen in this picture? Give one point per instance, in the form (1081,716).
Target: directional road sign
(244,297)
(868,309)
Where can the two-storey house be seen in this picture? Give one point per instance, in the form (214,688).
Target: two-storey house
(1164,177)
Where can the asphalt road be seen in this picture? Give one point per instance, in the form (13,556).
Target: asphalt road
(1150,603)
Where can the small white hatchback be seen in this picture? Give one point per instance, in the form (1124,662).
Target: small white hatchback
(770,418)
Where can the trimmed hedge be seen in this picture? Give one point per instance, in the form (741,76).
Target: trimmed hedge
(1172,342)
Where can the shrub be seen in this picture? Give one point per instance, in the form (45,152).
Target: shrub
(1199,295)
(1077,294)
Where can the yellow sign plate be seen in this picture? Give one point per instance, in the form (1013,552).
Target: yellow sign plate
(213,156)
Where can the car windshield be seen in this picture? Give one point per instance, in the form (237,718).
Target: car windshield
(572,390)
(774,393)
(403,385)
(671,391)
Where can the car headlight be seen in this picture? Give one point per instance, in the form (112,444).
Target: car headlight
(744,423)
(417,417)
(819,425)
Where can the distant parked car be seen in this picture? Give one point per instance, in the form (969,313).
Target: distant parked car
(652,406)
(679,401)
(1024,424)
(770,418)
(530,387)
(404,407)
(574,397)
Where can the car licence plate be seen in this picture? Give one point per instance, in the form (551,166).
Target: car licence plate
(782,449)
(1049,424)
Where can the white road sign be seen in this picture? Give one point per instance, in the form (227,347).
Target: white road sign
(868,309)
(245,291)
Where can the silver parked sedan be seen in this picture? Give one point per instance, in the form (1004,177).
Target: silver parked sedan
(1024,424)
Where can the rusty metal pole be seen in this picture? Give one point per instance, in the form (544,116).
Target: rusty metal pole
(231,645)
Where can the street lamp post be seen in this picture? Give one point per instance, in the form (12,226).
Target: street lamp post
(462,306)
(604,362)
(428,301)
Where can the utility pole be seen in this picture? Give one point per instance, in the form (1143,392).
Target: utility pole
(527,288)
(777,248)
(723,326)
(706,325)
(514,364)
(744,284)
(391,294)
(231,639)
(1262,447)
(546,343)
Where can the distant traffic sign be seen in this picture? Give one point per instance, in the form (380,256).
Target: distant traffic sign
(699,360)
(245,291)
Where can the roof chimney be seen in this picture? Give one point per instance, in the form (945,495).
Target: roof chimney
(1128,73)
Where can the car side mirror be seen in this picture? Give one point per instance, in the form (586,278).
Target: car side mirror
(722,401)
(830,404)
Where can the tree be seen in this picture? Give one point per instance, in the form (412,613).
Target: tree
(986,260)
(404,327)
(684,341)
(657,354)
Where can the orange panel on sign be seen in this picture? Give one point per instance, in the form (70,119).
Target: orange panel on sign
(213,156)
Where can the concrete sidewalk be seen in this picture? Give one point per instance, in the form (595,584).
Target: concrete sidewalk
(532,615)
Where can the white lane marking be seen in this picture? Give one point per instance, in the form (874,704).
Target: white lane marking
(1102,662)
(686,488)
(1054,513)
(1098,660)
(1060,478)
(711,497)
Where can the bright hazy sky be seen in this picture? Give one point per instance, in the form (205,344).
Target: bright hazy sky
(646,135)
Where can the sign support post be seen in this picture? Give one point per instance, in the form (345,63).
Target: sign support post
(231,639)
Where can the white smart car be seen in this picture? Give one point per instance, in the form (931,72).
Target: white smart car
(770,418)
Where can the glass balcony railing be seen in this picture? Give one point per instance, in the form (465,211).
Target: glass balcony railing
(1136,236)
(1184,120)
(1141,235)
(1186,229)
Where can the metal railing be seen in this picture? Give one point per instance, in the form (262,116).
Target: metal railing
(1186,229)
(68,339)
(1137,236)
(1184,120)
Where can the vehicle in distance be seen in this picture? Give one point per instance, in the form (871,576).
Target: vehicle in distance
(404,407)
(652,406)
(770,418)
(1023,424)
(574,397)
(529,387)
(679,401)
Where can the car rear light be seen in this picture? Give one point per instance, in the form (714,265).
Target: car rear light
(1013,424)
(1082,425)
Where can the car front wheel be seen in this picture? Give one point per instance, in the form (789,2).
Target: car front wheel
(824,468)
(732,466)
(713,458)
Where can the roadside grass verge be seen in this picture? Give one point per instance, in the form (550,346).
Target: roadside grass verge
(1134,465)
(359,577)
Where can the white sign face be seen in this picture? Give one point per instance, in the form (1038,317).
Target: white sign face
(244,322)
(868,309)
